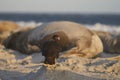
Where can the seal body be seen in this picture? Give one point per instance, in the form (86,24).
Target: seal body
(73,35)
(110,41)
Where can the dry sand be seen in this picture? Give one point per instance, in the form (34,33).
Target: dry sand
(17,66)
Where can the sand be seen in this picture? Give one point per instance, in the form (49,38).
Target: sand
(17,66)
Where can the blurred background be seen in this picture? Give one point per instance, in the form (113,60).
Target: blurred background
(81,11)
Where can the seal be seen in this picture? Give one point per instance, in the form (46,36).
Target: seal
(8,26)
(76,37)
(6,29)
(110,41)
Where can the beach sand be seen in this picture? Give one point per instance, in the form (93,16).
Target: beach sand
(17,66)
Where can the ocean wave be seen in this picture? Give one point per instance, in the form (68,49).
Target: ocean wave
(97,26)
(103,27)
(27,24)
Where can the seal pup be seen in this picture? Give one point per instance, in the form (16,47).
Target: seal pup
(51,50)
(18,41)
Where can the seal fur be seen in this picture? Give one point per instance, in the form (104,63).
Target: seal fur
(76,35)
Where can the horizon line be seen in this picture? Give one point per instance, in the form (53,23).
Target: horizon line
(82,13)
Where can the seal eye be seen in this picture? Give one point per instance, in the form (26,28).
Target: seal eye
(56,37)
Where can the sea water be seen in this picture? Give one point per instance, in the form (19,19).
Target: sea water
(104,22)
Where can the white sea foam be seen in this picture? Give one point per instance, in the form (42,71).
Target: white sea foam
(102,27)
(97,26)
(27,24)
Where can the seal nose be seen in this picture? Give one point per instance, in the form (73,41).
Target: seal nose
(50,60)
